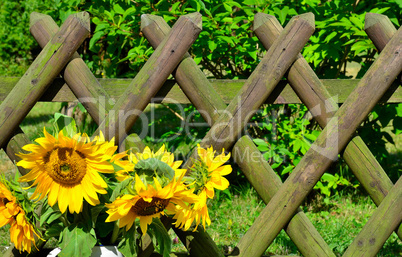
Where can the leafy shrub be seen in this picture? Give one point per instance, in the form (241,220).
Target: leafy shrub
(17,47)
(285,135)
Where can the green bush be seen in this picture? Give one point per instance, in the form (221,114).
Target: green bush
(17,47)
(227,48)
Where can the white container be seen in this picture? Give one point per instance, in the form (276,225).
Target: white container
(97,251)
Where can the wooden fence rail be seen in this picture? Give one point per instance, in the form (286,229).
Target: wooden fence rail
(227,106)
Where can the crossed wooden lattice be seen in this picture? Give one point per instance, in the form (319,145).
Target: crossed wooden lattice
(227,122)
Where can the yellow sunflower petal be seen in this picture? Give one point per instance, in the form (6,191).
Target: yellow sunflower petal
(62,201)
(144,222)
(53,193)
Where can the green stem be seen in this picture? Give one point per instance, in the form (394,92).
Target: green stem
(115,233)
(64,219)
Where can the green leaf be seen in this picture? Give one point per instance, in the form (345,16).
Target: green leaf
(54,230)
(75,241)
(228,8)
(152,167)
(46,212)
(259,141)
(356,21)
(129,11)
(330,36)
(95,210)
(95,38)
(127,245)
(120,186)
(162,237)
(276,165)
(287,170)
(263,148)
(212,45)
(328,177)
(253,54)
(65,123)
(397,123)
(117,8)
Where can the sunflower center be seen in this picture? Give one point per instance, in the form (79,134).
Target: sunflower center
(201,174)
(143,208)
(65,165)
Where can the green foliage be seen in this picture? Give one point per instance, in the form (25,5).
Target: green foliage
(340,39)
(17,47)
(127,245)
(76,240)
(285,135)
(162,240)
(379,130)
(226,48)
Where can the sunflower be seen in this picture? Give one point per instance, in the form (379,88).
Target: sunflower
(128,166)
(147,201)
(67,169)
(206,175)
(21,231)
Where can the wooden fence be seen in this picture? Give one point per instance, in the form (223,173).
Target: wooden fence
(283,58)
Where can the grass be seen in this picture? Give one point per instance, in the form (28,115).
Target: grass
(338,222)
(338,219)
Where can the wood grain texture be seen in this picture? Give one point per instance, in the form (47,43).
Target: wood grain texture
(187,73)
(260,84)
(311,91)
(79,79)
(40,74)
(77,75)
(170,92)
(325,149)
(14,146)
(266,182)
(151,77)
(374,233)
(379,28)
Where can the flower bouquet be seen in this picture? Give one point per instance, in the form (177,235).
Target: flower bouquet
(83,193)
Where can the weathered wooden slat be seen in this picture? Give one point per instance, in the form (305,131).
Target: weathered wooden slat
(325,150)
(379,28)
(151,77)
(171,92)
(77,75)
(308,87)
(187,72)
(191,80)
(266,182)
(260,84)
(197,87)
(386,218)
(376,182)
(40,74)
(80,80)
(14,146)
